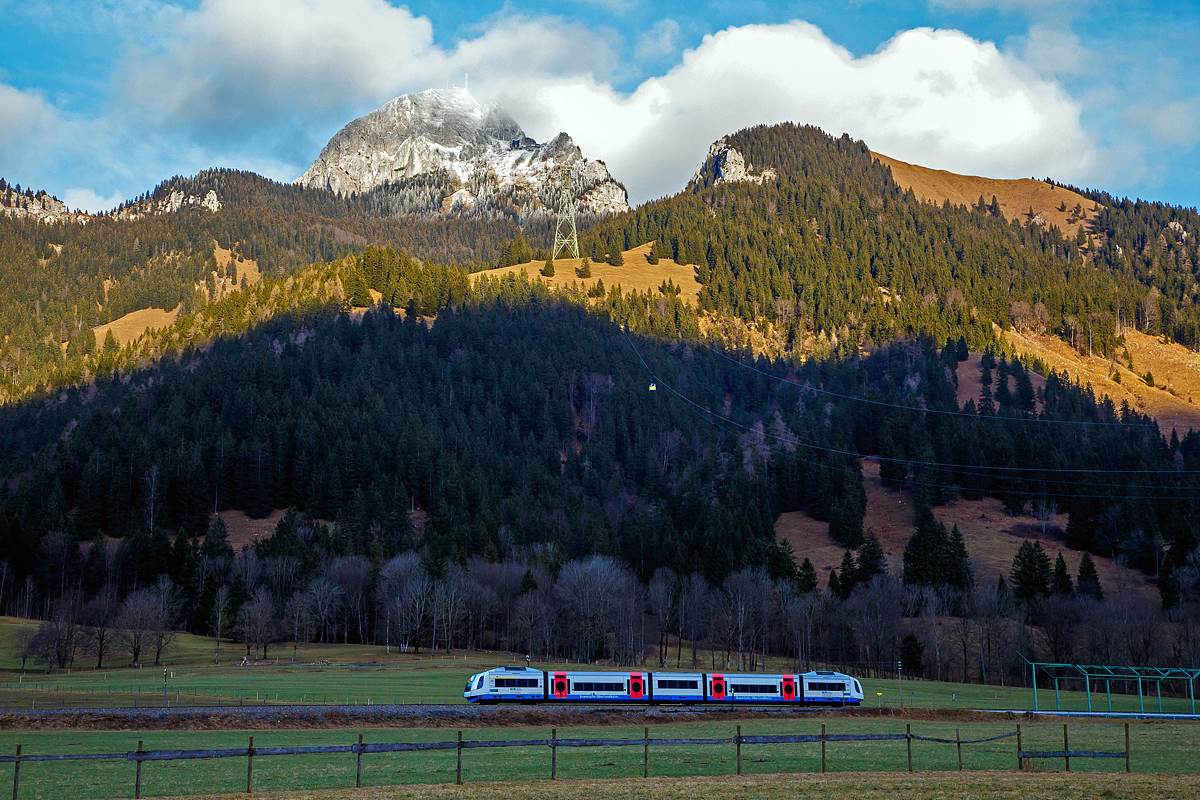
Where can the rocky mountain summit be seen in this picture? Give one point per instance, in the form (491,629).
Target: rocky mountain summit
(442,152)
(176,200)
(724,164)
(29,204)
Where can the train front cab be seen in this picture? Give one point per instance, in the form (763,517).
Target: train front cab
(506,685)
(831,688)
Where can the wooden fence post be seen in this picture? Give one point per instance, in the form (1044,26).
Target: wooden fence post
(137,781)
(458,776)
(358,769)
(553,754)
(822,748)
(250,767)
(1066,748)
(646,756)
(1126,753)
(958,740)
(1020,761)
(908,741)
(738,739)
(17,765)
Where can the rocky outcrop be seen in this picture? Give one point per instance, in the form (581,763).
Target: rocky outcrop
(170,204)
(36,205)
(724,164)
(475,158)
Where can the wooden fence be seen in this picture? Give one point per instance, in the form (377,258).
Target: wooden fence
(362,748)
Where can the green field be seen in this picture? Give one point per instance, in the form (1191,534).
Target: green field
(364,674)
(864,786)
(1156,748)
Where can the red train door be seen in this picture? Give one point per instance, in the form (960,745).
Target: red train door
(789,687)
(637,686)
(718,687)
(560,686)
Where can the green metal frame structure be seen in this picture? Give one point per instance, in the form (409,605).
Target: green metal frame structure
(1108,674)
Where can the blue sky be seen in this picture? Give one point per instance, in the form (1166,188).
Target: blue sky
(99,101)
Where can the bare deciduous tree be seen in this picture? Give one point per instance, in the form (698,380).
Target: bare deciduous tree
(660,597)
(220,619)
(352,574)
(138,618)
(325,598)
(256,621)
(298,620)
(99,618)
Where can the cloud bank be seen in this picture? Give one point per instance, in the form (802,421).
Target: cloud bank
(264,85)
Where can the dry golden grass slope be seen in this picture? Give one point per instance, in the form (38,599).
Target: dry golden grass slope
(636,273)
(1016,197)
(991,535)
(1172,401)
(129,327)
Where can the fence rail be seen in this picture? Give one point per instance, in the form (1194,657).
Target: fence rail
(361,748)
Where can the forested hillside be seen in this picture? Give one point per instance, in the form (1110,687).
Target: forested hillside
(531,432)
(831,253)
(58,281)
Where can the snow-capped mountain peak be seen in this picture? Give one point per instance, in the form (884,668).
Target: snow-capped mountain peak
(479,152)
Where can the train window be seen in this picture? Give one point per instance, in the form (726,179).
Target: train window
(479,683)
(753,688)
(672,684)
(826,687)
(514,683)
(590,686)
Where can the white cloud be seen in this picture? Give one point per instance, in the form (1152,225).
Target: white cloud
(263,86)
(27,117)
(1176,123)
(937,98)
(286,70)
(83,199)
(1054,52)
(660,41)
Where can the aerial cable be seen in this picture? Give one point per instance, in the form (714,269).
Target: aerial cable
(713,419)
(886,404)
(972,469)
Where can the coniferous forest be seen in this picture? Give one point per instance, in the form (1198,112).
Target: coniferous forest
(498,441)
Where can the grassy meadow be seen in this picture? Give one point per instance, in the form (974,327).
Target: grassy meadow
(366,674)
(1157,748)
(865,786)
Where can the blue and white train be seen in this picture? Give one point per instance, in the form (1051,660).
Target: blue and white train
(526,685)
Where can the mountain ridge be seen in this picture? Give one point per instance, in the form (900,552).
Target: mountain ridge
(484,155)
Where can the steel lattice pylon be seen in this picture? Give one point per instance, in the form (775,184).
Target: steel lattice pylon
(566,238)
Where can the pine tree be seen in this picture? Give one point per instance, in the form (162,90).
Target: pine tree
(1030,571)
(585,268)
(847,577)
(1061,582)
(1089,580)
(871,560)
(925,553)
(548,269)
(958,562)
(807,579)
(912,655)
(835,586)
